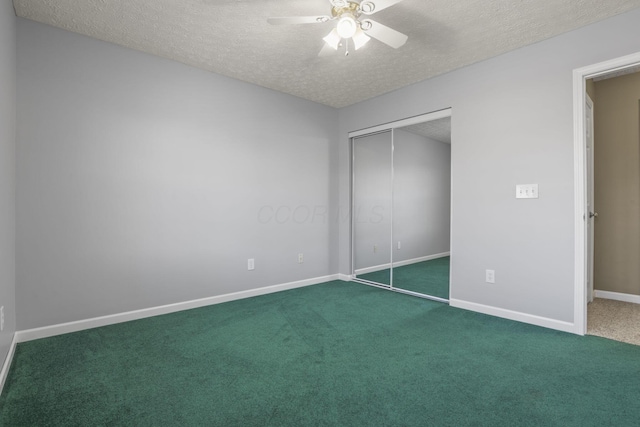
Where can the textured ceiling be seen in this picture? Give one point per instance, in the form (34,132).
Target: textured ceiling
(233,38)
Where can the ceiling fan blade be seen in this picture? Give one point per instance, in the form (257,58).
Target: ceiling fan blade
(369,7)
(326,51)
(386,35)
(298,20)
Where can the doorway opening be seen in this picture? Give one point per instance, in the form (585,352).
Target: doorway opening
(584,153)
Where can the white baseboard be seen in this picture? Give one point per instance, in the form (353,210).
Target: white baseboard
(421,259)
(401,263)
(618,296)
(373,269)
(65,328)
(7,362)
(344,277)
(514,315)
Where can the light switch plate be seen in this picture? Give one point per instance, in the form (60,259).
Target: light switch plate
(527,191)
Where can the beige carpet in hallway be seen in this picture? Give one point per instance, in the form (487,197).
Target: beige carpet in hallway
(615,320)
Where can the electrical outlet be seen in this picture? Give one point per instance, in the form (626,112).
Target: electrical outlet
(251,264)
(490,276)
(2,318)
(300,258)
(399,244)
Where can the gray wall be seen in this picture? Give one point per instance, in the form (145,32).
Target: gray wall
(512,124)
(421,196)
(7,171)
(143,182)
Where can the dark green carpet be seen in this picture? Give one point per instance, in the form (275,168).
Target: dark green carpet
(427,277)
(336,354)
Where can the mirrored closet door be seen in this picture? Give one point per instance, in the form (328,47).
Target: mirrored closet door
(401,214)
(371,211)
(422,207)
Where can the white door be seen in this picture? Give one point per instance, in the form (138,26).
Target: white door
(591,215)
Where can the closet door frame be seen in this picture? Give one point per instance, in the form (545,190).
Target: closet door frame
(352,141)
(387,127)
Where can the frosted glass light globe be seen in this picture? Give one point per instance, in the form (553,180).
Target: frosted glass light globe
(347,27)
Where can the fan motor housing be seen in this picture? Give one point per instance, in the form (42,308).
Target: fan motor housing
(351,8)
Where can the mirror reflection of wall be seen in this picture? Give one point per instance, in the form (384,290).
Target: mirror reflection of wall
(372,207)
(422,208)
(402,207)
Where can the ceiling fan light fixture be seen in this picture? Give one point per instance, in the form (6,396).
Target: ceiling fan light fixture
(333,39)
(360,39)
(347,26)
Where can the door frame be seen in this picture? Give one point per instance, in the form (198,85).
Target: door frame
(581,261)
(590,221)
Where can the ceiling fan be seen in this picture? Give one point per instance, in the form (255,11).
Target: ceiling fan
(351,25)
